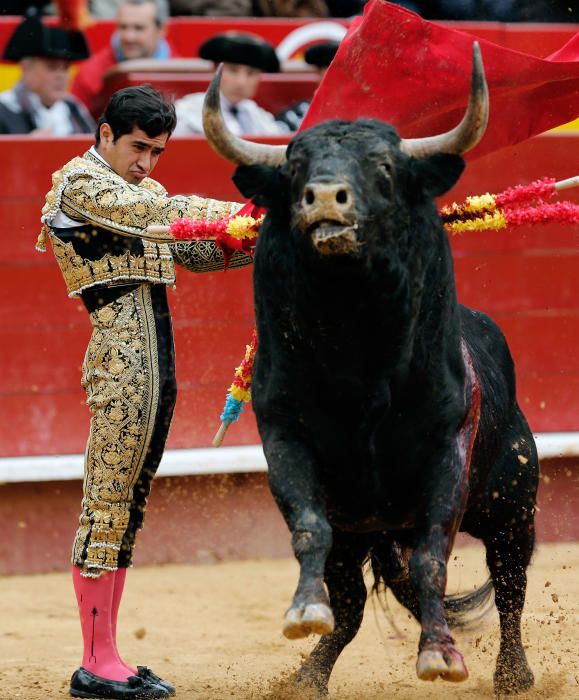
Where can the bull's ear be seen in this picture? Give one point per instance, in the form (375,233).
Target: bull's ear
(438,173)
(261,183)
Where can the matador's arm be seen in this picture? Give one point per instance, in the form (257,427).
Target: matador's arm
(205,256)
(113,204)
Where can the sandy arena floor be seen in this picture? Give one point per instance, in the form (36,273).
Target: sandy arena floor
(215,631)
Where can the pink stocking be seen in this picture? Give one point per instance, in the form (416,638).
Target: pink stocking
(95,605)
(120,576)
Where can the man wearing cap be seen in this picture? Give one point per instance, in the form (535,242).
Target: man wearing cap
(39,103)
(245,57)
(140,33)
(319,56)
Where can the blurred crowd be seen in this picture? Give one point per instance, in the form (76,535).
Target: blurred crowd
(45,102)
(42,103)
(464,10)
(107,9)
(497,10)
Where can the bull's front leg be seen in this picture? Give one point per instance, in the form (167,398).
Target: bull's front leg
(294,483)
(447,496)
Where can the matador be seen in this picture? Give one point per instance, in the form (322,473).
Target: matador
(96,217)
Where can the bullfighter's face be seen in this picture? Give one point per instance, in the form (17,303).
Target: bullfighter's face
(132,156)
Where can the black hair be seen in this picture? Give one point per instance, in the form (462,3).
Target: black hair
(142,107)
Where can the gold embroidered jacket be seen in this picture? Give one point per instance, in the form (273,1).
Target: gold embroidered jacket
(111,245)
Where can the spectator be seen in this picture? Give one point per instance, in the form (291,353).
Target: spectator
(489,10)
(345,8)
(498,10)
(265,8)
(290,8)
(104,9)
(245,57)
(39,103)
(20,7)
(319,56)
(548,11)
(212,8)
(140,34)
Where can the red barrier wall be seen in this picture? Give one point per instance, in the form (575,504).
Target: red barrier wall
(206,519)
(526,279)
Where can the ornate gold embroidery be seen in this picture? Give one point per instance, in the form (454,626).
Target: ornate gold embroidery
(90,192)
(79,273)
(205,256)
(121,380)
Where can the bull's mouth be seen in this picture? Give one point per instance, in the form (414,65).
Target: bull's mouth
(331,237)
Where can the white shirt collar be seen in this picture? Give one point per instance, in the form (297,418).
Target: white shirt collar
(93,151)
(56,117)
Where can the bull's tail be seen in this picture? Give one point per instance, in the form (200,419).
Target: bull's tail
(463,610)
(389,562)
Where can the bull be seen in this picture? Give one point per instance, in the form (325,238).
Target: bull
(387,410)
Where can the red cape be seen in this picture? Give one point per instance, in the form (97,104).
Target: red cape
(395,66)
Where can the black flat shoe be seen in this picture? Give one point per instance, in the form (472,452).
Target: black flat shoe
(146,674)
(85,684)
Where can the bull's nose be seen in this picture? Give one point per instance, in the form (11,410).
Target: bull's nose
(322,194)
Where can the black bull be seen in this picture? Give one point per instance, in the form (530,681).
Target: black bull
(367,387)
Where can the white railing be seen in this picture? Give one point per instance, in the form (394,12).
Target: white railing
(225,460)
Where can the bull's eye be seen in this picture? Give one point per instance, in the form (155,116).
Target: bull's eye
(386,168)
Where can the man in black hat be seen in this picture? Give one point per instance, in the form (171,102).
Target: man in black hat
(39,103)
(245,57)
(319,56)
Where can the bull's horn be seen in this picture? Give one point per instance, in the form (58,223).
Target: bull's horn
(228,145)
(472,127)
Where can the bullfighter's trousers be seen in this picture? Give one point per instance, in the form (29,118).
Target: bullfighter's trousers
(129,379)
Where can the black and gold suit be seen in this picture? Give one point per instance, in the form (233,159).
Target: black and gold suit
(121,273)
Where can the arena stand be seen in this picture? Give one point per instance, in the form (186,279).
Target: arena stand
(186,34)
(212,504)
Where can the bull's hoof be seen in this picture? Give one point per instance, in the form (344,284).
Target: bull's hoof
(510,680)
(297,687)
(441,662)
(310,686)
(302,620)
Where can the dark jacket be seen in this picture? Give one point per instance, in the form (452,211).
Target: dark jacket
(23,122)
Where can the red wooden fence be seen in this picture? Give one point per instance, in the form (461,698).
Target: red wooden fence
(527,279)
